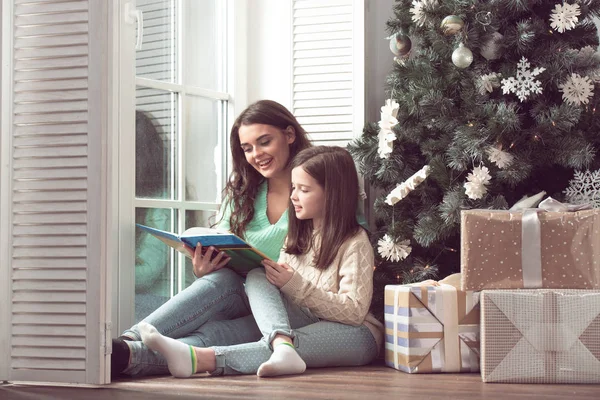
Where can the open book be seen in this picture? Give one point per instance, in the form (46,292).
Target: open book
(243,256)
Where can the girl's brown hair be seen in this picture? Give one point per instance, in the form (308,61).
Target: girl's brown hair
(333,168)
(242,187)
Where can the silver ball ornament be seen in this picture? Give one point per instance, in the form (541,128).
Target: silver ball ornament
(491,49)
(400,44)
(462,57)
(452,24)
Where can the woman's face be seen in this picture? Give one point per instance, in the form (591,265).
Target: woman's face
(267,148)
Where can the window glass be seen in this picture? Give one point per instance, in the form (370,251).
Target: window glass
(153,261)
(155,141)
(180,136)
(158,57)
(201,44)
(202,151)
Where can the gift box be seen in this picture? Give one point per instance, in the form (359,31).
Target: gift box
(431,327)
(532,248)
(540,336)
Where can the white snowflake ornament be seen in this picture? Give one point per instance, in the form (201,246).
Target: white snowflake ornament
(502,159)
(564,17)
(524,83)
(577,89)
(488,82)
(477,181)
(584,188)
(418,16)
(392,251)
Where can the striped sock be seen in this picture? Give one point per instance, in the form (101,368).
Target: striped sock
(181,358)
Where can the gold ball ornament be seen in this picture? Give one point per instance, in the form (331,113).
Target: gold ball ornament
(400,44)
(462,57)
(452,24)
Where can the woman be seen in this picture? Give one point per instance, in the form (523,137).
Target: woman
(214,310)
(313,305)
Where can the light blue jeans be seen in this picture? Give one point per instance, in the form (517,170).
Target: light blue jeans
(319,343)
(216,314)
(212,311)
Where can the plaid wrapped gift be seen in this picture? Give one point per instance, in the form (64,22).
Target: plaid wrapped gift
(540,336)
(432,327)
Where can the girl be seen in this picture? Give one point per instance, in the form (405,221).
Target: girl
(319,317)
(214,310)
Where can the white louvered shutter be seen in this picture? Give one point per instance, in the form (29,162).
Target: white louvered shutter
(54,189)
(328,68)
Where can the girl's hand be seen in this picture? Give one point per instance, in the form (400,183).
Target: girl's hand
(277,274)
(202,262)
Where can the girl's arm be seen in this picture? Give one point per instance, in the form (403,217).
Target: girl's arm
(351,303)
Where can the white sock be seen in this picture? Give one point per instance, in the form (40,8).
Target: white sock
(181,358)
(284,361)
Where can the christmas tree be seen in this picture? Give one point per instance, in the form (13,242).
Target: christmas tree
(489,101)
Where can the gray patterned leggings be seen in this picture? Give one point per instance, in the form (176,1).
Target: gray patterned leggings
(320,343)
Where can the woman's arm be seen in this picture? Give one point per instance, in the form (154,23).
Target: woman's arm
(351,303)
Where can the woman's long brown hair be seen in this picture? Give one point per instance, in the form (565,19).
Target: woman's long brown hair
(242,187)
(333,168)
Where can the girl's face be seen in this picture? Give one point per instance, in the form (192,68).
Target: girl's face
(308,197)
(267,148)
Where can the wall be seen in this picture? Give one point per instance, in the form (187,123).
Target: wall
(379,58)
(269,51)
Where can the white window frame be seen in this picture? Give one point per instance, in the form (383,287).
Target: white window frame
(123,120)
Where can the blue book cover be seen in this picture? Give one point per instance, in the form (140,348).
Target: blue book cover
(243,256)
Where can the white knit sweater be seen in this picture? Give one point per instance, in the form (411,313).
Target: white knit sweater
(340,293)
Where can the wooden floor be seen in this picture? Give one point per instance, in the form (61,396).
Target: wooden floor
(372,382)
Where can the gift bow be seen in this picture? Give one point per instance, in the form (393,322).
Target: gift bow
(531,238)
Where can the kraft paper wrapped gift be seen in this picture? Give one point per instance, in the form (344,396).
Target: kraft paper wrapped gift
(532,248)
(432,327)
(540,336)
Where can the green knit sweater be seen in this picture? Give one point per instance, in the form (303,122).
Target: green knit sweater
(260,233)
